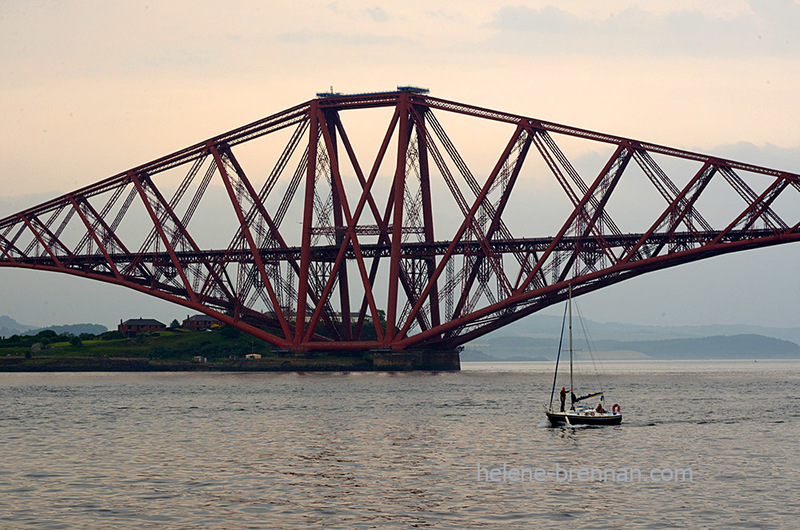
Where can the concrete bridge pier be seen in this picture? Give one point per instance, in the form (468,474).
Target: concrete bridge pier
(416,360)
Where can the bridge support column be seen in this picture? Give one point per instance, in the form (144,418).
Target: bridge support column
(416,360)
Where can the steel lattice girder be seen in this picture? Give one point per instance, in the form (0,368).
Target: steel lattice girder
(372,258)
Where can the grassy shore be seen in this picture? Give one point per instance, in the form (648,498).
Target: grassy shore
(221,349)
(134,364)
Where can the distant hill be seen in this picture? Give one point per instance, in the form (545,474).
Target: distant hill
(472,356)
(510,349)
(741,346)
(75,329)
(9,327)
(745,346)
(549,326)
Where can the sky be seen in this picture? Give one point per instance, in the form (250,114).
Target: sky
(91,88)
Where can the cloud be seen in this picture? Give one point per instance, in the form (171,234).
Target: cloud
(767,155)
(378,14)
(355,40)
(768,29)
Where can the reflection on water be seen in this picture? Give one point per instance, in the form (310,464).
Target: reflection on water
(350,450)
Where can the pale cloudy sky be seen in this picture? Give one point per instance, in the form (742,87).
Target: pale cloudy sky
(91,88)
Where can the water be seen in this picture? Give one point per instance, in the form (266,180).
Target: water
(363,450)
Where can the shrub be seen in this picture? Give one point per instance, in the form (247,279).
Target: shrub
(230,332)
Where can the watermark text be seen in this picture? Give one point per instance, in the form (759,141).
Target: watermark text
(561,473)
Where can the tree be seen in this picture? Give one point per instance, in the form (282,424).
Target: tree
(48,334)
(230,332)
(174,324)
(112,335)
(75,341)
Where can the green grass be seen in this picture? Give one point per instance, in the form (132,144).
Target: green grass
(180,345)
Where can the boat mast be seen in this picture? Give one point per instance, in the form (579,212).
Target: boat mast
(558,355)
(571,385)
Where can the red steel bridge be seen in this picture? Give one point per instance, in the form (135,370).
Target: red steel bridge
(378,218)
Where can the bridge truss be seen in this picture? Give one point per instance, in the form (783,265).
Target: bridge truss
(395,241)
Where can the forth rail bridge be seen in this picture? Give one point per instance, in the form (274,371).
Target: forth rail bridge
(372,216)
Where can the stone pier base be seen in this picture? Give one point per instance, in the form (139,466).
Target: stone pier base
(416,360)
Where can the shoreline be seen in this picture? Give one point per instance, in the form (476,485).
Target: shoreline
(269,364)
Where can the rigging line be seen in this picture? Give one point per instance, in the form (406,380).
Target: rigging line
(558,355)
(591,348)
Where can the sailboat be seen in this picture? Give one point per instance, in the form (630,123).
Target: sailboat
(579,411)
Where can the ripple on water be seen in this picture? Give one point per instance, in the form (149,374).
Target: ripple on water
(357,450)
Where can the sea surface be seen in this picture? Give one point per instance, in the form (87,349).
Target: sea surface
(703,444)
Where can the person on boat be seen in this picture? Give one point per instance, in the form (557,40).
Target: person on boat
(573,399)
(600,407)
(563,397)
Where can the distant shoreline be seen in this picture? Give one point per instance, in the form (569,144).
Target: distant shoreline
(275,364)
(741,346)
(391,362)
(117,364)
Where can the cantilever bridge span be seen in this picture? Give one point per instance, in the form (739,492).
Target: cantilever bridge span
(394,232)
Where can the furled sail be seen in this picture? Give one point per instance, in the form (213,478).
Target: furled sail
(587,396)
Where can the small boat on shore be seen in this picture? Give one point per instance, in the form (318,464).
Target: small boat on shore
(579,412)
